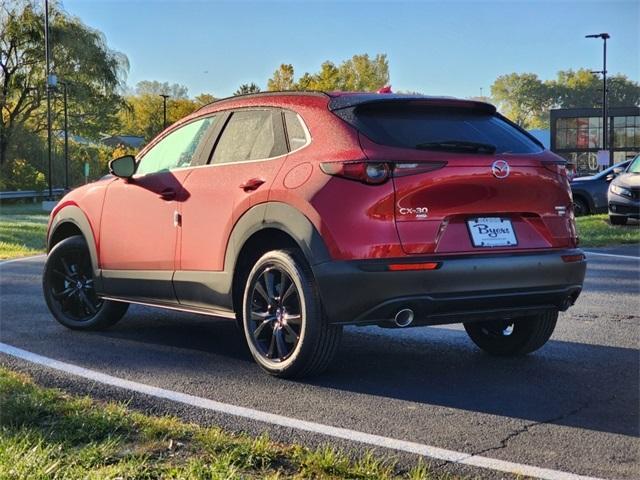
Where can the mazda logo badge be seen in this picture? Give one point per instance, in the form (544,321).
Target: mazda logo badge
(500,169)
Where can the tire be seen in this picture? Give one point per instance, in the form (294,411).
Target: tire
(512,338)
(617,220)
(68,288)
(580,207)
(286,330)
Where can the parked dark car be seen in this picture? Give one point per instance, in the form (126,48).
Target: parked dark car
(624,195)
(298,213)
(590,193)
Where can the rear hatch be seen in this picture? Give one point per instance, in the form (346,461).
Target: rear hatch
(465,178)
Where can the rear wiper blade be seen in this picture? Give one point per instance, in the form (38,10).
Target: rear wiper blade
(457,145)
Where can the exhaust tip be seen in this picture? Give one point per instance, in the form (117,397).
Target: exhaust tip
(404,317)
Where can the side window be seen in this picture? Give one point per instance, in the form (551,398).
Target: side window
(177,149)
(249,135)
(296,131)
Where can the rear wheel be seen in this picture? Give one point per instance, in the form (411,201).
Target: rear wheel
(513,337)
(286,331)
(617,220)
(70,292)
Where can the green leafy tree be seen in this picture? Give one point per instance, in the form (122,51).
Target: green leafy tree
(359,73)
(526,99)
(523,98)
(581,88)
(144,113)
(204,99)
(283,79)
(247,88)
(362,73)
(93,74)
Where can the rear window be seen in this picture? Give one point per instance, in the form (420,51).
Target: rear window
(411,127)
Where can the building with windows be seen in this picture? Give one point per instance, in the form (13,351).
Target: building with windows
(576,134)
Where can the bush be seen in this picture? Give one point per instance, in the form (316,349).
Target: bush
(19,174)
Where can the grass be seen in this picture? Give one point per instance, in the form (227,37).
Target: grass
(46,434)
(23,228)
(596,231)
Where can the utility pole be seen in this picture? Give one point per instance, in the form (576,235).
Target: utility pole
(605,130)
(164,109)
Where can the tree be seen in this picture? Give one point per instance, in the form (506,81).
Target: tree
(153,87)
(359,73)
(144,114)
(523,98)
(282,79)
(581,88)
(80,57)
(526,99)
(363,74)
(204,99)
(247,88)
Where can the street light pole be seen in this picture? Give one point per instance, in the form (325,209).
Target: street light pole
(605,130)
(164,109)
(49,85)
(66,137)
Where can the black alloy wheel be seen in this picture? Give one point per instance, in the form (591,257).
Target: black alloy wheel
(283,320)
(69,288)
(276,314)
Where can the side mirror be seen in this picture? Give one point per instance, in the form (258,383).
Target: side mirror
(123,167)
(614,173)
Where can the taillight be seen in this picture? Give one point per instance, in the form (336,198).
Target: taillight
(366,172)
(556,166)
(405,169)
(376,173)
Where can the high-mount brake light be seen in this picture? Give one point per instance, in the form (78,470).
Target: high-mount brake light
(376,173)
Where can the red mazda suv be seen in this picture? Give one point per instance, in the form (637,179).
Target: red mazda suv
(296,213)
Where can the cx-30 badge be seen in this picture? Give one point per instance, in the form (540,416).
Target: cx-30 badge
(500,169)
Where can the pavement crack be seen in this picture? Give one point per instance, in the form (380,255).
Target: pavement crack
(524,429)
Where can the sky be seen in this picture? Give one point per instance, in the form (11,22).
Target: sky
(434,47)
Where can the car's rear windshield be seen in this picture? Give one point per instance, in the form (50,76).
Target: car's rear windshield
(439,128)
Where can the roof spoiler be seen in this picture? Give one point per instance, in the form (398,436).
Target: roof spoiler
(357,100)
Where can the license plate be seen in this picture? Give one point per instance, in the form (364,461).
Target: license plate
(492,232)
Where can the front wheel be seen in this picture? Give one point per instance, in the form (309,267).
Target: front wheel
(617,220)
(513,337)
(69,290)
(284,325)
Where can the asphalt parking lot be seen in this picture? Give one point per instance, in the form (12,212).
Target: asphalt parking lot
(571,407)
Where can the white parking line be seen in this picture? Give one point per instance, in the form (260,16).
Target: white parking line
(19,259)
(280,420)
(612,255)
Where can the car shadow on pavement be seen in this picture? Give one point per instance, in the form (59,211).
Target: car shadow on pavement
(573,384)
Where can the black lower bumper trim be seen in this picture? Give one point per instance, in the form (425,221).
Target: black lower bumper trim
(462,289)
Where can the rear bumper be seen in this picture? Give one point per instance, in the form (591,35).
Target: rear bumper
(463,288)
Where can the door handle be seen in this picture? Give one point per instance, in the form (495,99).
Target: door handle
(168,194)
(252,184)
